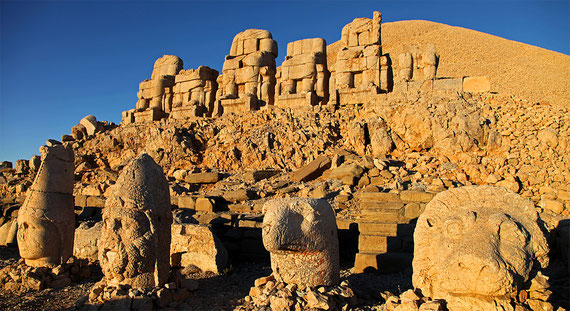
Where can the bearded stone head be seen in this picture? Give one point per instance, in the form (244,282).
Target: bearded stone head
(134,247)
(477,241)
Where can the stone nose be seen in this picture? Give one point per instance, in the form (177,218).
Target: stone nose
(477,264)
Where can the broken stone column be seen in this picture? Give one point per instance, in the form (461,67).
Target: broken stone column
(156,94)
(248,74)
(303,76)
(301,236)
(194,93)
(134,247)
(475,247)
(46,220)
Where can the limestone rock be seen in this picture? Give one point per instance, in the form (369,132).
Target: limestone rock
(86,238)
(167,65)
(301,236)
(90,124)
(46,221)
(476,243)
(312,170)
(134,246)
(197,245)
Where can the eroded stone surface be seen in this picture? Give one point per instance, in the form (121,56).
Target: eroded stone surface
(46,221)
(301,236)
(134,246)
(476,244)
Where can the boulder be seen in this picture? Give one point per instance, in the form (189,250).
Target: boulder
(90,124)
(312,170)
(198,246)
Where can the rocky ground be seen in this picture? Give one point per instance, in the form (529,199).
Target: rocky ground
(415,142)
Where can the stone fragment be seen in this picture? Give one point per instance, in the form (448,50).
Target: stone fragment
(351,170)
(46,221)
(553,205)
(476,84)
(239,195)
(90,124)
(301,236)
(203,178)
(197,245)
(86,237)
(205,205)
(134,246)
(35,163)
(312,170)
(476,244)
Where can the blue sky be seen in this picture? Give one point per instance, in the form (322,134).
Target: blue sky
(62,60)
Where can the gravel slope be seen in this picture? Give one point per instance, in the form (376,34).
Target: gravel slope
(515,68)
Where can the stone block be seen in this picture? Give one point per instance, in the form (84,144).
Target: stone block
(95,201)
(383,215)
(412,210)
(205,205)
(449,84)
(85,242)
(186,201)
(197,245)
(416,196)
(258,175)
(312,170)
(380,197)
(381,263)
(80,200)
(476,84)
(203,178)
(376,228)
(238,195)
(372,243)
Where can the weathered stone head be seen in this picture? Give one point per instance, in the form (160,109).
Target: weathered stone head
(46,221)
(476,241)
(134,247)
(301,235)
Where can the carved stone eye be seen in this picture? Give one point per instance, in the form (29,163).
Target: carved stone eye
(454,227)
(430,222)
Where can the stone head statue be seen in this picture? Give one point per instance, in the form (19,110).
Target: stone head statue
(476,241)
(301,235)
(134,247)
(46,221)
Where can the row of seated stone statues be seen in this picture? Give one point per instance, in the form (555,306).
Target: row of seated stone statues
(250,79)
(475,246)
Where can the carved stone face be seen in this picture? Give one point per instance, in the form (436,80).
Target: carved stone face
(40,241)
(46,221)
(301,236)
(123,244)
(476,241)
(134,247)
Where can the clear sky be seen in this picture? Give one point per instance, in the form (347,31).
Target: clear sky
(63,60)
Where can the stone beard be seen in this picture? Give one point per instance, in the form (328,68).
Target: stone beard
(134,247)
